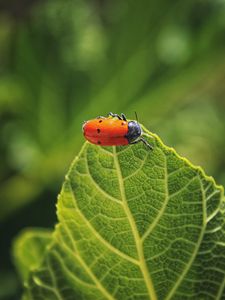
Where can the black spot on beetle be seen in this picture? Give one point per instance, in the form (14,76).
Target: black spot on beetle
(100,121)
(99,142)
(98,130)
(122,123)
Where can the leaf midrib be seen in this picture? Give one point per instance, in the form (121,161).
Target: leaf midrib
(137,238)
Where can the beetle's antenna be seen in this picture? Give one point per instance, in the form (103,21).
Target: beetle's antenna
(136,116)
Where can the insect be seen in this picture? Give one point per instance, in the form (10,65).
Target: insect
(113,130)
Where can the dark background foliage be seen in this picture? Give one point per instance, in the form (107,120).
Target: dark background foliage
(63,62)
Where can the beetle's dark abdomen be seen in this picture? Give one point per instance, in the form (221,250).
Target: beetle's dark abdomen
(134,131)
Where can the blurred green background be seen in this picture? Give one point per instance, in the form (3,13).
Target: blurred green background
(63,62)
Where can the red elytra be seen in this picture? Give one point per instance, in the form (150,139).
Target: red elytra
(106,132)
(113,130)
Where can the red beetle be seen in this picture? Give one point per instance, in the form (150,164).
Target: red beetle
(113,130)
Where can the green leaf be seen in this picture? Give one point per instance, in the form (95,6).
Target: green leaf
(134,224)
(28,249)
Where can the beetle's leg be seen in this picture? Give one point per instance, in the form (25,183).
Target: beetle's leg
(114,115)
(146,143)
(141,139)
(123,117)
(100,117)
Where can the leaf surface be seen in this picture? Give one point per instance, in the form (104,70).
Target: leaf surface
(134,224)
(28,249)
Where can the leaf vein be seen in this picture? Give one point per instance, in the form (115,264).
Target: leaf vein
(138,169)
(139,246)
(198,244)
(100,238)
(98,187)
(87,269)
(156,220)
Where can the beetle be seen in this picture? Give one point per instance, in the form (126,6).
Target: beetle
(113,130)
